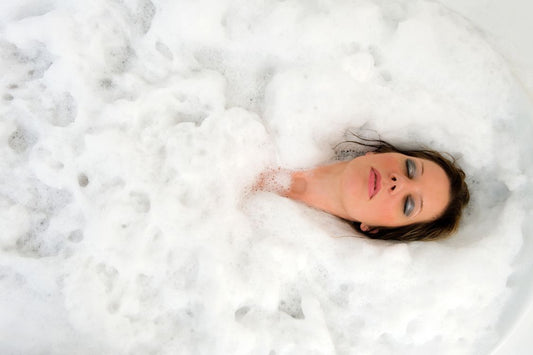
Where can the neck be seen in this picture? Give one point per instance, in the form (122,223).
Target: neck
(319,188)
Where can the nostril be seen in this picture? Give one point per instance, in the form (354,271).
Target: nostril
(393,178)
(393,187)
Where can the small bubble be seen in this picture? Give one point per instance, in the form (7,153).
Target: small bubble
(292,305)
(164,50)
(106,83)
(146,15)
(65,111)
(112,307)
(83,180)
(20,140)
(8,97)
(241,312)
(13,86)
(141,201)
(76,236)
(29,244)
(42,225)
(386,75)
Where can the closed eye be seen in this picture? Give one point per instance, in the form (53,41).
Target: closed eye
(408,206)
(410,168)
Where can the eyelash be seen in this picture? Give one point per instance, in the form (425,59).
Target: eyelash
(409,204)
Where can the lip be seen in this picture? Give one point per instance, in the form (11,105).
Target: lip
(374,182)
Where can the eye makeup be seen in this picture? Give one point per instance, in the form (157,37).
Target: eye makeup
(409,203)
(410,167)
(408,206)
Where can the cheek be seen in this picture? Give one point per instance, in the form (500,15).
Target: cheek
(385,214)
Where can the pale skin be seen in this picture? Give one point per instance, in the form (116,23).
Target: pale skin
(378,190)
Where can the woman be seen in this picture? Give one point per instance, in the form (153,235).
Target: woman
(387,193)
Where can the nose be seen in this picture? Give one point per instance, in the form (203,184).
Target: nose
(396,183)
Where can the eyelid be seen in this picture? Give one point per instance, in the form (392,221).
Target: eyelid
(410,167)
(408,206)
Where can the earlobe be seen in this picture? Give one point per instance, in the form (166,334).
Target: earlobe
(365,228)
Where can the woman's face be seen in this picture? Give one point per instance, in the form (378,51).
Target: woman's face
(393,190)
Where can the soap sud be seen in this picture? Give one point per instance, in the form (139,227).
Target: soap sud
(133,137)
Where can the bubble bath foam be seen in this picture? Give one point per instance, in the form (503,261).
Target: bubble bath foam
(131,136)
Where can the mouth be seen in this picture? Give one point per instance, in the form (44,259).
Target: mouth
(374,183)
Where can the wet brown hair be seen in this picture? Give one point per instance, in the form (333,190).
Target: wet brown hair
(441,227)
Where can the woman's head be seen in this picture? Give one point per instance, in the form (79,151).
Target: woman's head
(414,194)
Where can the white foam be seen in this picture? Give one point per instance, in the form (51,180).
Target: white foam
(132,134)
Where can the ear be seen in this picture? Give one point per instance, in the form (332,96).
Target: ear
(366,228)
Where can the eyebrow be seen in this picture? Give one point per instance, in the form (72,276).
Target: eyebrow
(421,205)
(421,199)
(419,211)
